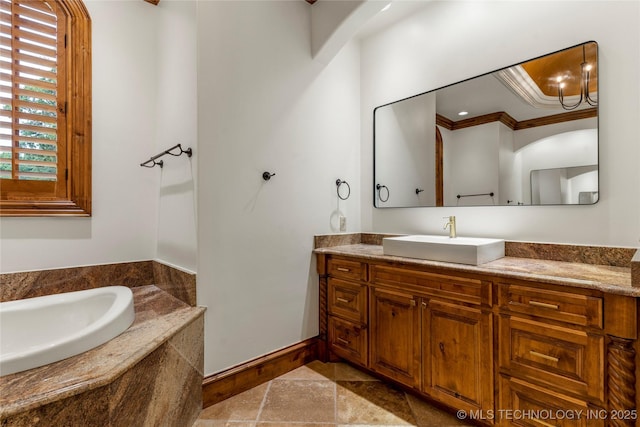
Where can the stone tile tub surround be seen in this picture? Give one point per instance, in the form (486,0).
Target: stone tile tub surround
(617,269)
(178,283)
(149,375)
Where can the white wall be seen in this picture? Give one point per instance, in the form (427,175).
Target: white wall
(265,105)
(452,41)
(176,123)
(125,195)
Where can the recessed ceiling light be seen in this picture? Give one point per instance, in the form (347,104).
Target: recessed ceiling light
(386,7)
(463,113)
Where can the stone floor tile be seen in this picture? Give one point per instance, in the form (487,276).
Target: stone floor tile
(315,370)
(346,372)
(241,407)
(372,403)
(300,401)
(325,395)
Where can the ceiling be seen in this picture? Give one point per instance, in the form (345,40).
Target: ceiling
(492,93)
(397,11)
(526,95)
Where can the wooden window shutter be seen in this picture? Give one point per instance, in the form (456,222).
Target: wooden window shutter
(32,126)
(39,71)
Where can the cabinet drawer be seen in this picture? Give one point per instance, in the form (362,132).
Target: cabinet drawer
(348,340)
(460,289)
(566,307)
(347,269)
(524,404)
(348,300)
(569,360)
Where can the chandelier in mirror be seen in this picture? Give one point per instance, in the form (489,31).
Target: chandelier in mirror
(585,85)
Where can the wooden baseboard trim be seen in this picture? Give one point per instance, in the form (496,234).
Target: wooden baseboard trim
(235,380)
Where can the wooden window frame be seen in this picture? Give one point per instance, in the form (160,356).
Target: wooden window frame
(76,157)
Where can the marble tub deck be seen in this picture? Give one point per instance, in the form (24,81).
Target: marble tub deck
(165,328)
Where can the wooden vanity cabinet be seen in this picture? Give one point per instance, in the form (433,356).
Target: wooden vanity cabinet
(477,342)
(431,332)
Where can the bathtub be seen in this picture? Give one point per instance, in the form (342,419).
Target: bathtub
(42,330)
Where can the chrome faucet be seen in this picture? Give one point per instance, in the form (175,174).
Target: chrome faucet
(452,226)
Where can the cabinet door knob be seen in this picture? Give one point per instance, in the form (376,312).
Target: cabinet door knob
(342,341)
(441,345)
(346,270)
(344,300)
(412,303)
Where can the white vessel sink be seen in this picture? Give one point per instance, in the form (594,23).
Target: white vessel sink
(461,250)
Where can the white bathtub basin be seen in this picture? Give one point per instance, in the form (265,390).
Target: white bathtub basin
(461,250)
(42,330)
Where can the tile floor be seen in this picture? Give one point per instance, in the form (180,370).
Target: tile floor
(324,395)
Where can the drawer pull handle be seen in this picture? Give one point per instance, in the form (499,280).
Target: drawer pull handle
(544,305)
(346,270)
(342,341)
(344,300)
(544,356)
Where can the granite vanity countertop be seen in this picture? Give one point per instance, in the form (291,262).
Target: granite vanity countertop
(616,280)
(159,316)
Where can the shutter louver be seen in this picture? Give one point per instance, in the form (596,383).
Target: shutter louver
(28,91)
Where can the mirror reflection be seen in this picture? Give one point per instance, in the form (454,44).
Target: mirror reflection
(523,135)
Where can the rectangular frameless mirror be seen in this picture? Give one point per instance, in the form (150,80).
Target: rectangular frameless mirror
(522,135)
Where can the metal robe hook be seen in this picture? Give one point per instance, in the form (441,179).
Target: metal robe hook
(267,175)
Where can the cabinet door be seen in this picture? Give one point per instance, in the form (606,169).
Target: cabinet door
(395,335)
(458,355)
